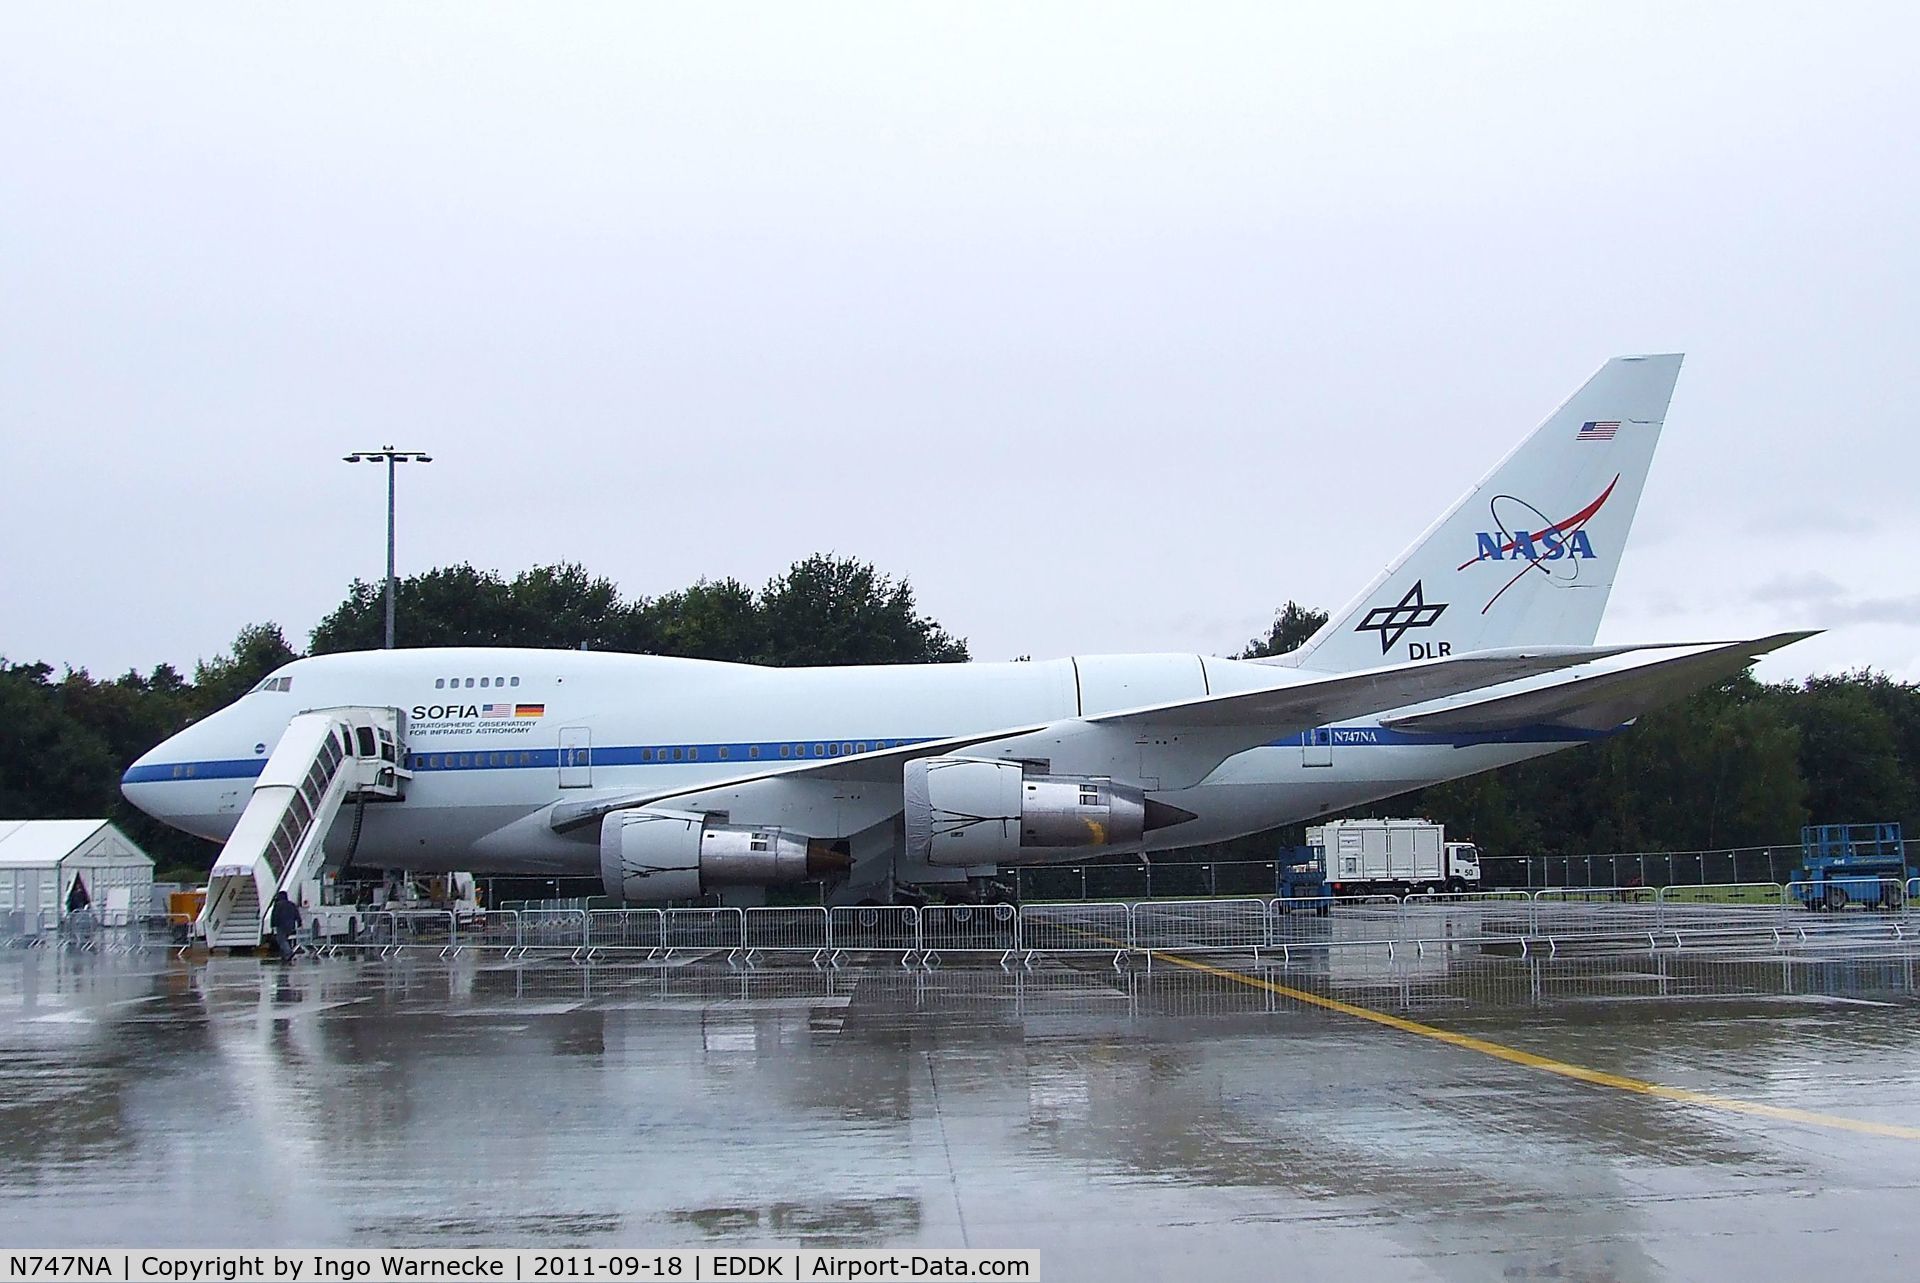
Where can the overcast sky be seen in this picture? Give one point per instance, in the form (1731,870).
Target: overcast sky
(1109,327)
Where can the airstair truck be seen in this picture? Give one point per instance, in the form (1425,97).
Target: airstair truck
(1393,857)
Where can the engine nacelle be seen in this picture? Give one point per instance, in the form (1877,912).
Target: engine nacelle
(969,811)
(652,856)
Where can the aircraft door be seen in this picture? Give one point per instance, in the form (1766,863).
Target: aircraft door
(576,757)
(1318,750)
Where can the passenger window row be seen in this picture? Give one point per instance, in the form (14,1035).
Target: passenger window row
(833,750)
(454,761)
(455,683)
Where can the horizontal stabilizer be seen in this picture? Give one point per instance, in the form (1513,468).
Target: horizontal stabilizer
(1605,700)
(1322,700)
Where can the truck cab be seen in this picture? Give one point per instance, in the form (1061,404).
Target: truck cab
(1463,865)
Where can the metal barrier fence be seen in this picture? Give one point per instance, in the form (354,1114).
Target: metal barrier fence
(1723,865)
(805,929)
(1551,919)
(494,929)
(1067,929)
(705,929)
(86,932)
(421,928)
(1756,893)
(626,930)
(969,928)
(1172,879)
(21,929)
(1197,926)
(1235,879)
(875,928)
(552,929)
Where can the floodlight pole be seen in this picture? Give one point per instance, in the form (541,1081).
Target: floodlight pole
(392,457)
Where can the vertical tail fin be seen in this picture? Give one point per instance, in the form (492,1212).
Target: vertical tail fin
(1528,556)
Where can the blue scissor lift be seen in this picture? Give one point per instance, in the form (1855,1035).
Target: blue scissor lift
(1300,880)
(1842,864)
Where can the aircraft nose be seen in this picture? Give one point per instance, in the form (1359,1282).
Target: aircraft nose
(141,783)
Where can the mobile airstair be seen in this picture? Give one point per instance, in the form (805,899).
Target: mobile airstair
(326,759)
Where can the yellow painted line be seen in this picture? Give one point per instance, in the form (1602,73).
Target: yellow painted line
(1546,1064)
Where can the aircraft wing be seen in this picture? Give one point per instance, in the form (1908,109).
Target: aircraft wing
(1214,727)
(874,767)
(1601,701)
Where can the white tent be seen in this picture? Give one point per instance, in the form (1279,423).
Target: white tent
(41,859)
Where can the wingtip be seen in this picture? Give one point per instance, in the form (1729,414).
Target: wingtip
(1779,640)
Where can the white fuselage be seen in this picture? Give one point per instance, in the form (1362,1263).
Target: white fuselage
(496,738)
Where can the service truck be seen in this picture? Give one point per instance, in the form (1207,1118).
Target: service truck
(1393,857)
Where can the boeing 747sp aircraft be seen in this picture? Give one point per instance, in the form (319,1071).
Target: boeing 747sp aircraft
(672,778)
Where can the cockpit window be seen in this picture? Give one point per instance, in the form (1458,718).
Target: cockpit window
(275,684)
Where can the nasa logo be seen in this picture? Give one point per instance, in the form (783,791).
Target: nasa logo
(1544,545)
(1526,538)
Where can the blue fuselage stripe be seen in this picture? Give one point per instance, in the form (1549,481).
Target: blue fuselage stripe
(778,751)
(245,768)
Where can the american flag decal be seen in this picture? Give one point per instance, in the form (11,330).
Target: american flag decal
(1600,431)
(496,710)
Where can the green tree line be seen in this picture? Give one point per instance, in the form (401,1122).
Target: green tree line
(1741,763)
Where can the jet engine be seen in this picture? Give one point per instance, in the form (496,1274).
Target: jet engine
(971,811)
(652,856)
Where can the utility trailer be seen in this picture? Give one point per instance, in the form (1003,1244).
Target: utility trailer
(1843,864)
(1393,857)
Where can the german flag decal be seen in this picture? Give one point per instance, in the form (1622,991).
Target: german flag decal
(529,710)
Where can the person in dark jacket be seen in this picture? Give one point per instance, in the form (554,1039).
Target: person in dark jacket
(79,919)
(285,921)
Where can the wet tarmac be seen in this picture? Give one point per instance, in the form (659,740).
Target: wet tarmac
(1173,1123)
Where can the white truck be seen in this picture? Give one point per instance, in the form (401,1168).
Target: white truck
(1393,857)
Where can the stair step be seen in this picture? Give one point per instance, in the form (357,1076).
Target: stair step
(241,925)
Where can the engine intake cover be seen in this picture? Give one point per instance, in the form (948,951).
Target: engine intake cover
(970,811)
(650,855)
